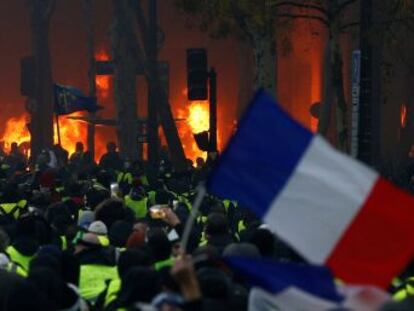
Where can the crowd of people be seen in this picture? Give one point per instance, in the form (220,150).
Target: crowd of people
(77,235)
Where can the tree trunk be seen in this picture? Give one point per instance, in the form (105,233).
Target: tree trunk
(170,130)
(265,73)
(152,59)
(125,81)
(163,106)
(88,15)
(245,67)
(41,126)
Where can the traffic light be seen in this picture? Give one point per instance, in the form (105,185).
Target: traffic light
(203,141)
(197,75)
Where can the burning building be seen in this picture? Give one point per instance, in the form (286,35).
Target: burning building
(299,73)
(70,66)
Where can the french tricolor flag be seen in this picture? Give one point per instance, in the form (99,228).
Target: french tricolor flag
(329,207)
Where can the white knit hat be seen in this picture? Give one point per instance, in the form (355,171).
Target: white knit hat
(98,227)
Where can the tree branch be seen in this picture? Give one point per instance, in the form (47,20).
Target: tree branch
(50,8)
(349,25)
(344,5)
(381,23)
(241,20)
(304,6)
(306,16)
(141,21)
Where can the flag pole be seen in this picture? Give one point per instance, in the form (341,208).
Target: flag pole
(58,129)
(201,193)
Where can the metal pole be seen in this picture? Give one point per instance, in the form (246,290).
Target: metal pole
(88,10)
(152,123)
(213,109)
(58,129)
(366,116)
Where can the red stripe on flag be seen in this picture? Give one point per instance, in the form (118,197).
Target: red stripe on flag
(379,242)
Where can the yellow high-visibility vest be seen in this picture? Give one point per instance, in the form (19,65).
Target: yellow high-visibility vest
(125,176)
(139,207)
(406,289)
(13,209)
(16,257)
(93,278)
(113,290)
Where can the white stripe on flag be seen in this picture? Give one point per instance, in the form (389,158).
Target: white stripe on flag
(322,197)
(290,299)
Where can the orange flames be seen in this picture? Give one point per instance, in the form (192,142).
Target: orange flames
(403,116)
(70,132)
(198,117)
(196,120)
(15,131)
(102,82)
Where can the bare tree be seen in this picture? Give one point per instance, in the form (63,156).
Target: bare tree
(41,126)
(125,65)
(153,77)
(88,15)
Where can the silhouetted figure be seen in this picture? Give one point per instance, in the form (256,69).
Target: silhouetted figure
(111,160)
(15,160)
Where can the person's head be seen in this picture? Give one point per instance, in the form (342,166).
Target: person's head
(264,240)
(111,210)
(95,196)
(111,147)
(138,235)
(127,164)
(87,156)
(159,244)
(217,224)
(14,147)
(200,162)
(46,261)
(241,250)
(50,284)
(87,241)
(120,232)
(138,257)
(104,178)
(34,298)
(214,283)
(163,197)
(79,147)
(139,285)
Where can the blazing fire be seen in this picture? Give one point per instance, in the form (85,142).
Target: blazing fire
(15,131)
(70,132)
(198,117)
(103,83)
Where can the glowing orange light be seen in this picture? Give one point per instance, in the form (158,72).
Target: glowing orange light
(102,82)
(71,131)
(403,116)
(15,131)
(198,117)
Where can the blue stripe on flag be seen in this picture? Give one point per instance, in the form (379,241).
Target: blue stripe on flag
(261,156)
(275,276)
